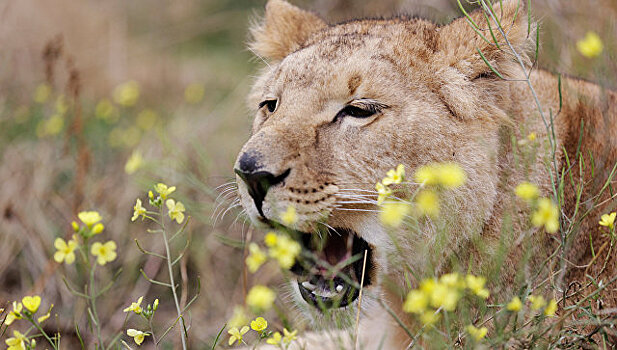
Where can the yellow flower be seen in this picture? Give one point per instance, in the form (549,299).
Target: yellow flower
(426,175)
(383,192)
(260,298)
(236,335)
(527,191)
(98,228)
(138,336)
(444,297)
(44,317)
(126,94)
(416,302)
(61,105)
(452,280)
(163,190)
(537,302)
(31,303)
(271,239)
(547,215)
(41,93)
(105,110)
(65,251)
(104,252)
(514,305)
(135,306)
(194,93)
(176,210)
(89,217)
(551,308)
(608,220)
(138,210)
(532,136)
(134,163)
(124,137)
(289,217)
(51,126)
(590,46)
(256,258)
(238,318)
(394,176)
(428,203)
(275,339)
(285,251)
(146,119)
(393,213)
(259,324)
(15,314)
(428,285)
(476,285)
(429,317)
(449,175)
(477,333)
(17,342)
(288,336)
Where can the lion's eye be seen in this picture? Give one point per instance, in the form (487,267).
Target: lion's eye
(356,112)
(270,104)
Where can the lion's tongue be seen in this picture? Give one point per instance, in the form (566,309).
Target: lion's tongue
(335,252)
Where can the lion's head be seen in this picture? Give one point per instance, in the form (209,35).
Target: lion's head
(339,105)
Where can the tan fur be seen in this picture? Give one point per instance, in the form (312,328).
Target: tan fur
(444,104)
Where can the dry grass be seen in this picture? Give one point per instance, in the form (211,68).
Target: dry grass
(165,46)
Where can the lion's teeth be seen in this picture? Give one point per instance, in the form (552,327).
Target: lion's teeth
(308,285)
(339,288)
(325,293)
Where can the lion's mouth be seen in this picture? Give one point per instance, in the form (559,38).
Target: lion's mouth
(331,267)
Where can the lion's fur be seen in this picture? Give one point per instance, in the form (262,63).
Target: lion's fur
(444,104)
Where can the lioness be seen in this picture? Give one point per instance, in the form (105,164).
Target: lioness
(339,105)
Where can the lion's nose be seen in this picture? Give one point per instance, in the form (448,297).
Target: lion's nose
(259,182)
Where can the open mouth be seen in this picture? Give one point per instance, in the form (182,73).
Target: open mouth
(330,269)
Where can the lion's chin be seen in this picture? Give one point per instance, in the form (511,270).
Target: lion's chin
(332,267)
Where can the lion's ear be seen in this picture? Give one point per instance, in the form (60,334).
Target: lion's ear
(462,44)
(464,80)
(283,30)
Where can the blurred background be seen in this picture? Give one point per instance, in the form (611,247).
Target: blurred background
(99,100)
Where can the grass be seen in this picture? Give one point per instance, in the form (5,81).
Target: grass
(51,172)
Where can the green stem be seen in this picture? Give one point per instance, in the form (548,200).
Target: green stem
(93,306)
(40,329)
(171,280)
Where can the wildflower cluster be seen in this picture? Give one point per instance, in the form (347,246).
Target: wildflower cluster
(545,212)
(175,210)
(435,296)
(536,303)
(166,209)
(54,124)
(432,177)
(146,313)
(26,310)
(393,176)
(103,252)
(260,325)
(281,247)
